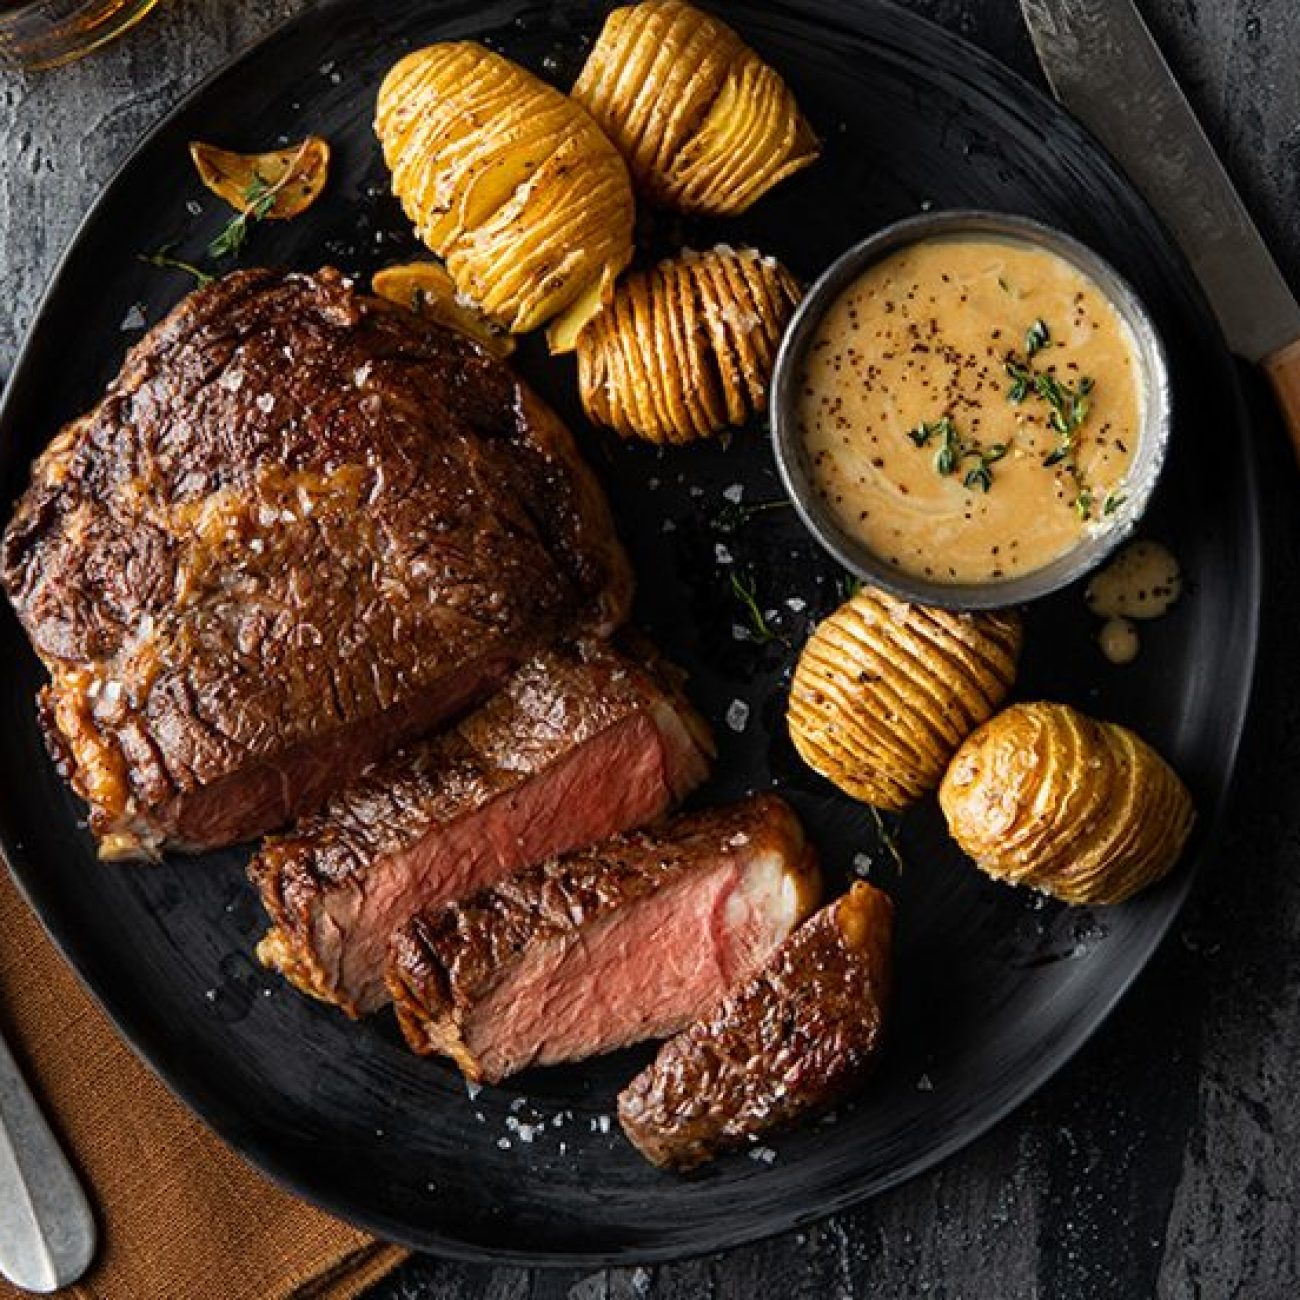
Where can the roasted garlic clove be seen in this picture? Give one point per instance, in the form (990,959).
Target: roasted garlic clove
(885,691)
(273,186)
(428,290)
(1086,811)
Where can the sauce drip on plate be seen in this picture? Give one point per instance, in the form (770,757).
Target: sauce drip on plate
(1144,581)
(970,408)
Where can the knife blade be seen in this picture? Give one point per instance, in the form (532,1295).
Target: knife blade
(1104,65)
(47,1229)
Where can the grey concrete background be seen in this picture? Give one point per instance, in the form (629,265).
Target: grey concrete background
(1163,1161)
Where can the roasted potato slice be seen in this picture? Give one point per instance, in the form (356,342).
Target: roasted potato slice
(507,180)
(276,185)
(705,125)
(427,289)
(1086,811)
(885,691)
(686,348)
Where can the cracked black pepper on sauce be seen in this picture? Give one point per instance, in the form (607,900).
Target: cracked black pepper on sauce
(920,354)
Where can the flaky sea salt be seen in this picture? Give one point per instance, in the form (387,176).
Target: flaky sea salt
(737,715)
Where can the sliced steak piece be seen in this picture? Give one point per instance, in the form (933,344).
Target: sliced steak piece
(301,527)
(606,947)
(581,743)
(796,1039)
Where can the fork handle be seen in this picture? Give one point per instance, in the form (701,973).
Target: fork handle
(47,1229)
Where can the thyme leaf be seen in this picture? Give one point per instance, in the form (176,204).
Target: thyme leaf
(981,477)
(847,585)
(1021,381)
(1037,337)
(745,591)
(164,259)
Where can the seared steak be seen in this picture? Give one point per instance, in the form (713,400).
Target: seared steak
(606,947)
(796,1039)
(580,743)
(300,527)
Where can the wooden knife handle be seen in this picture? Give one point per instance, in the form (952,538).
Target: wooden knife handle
(1283,370)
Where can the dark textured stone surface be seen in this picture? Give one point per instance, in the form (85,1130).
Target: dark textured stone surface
(1161,1163)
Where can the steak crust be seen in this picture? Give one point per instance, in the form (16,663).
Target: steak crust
(301,526)
(582,742)
(595,950)
(795,1040)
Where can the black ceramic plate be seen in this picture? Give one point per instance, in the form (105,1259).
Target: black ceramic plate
(996,988)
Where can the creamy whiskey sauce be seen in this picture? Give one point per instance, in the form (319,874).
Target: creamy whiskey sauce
(913,357)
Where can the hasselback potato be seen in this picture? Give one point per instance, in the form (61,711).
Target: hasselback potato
(507,180)
(705,125)
(686,348)
(885,691)
(1043,795)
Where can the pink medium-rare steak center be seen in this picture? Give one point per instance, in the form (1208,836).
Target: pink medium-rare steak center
(300,526)
(595,950)
(637,974)
(581,743)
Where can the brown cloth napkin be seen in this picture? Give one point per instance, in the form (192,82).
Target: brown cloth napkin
(181,1217)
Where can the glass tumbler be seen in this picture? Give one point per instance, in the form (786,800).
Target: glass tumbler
(45,33)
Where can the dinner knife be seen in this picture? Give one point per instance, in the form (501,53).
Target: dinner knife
(47,1230)
(1104,65)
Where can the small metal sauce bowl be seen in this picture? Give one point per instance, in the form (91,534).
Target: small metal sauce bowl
(1095,545)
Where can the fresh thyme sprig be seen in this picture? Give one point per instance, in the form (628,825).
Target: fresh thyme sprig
(954,451)
(163,258)
(1068,405)
(981,476)
(1037,337)
(745,591)
(888,834)
(734,515)
(259,199)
